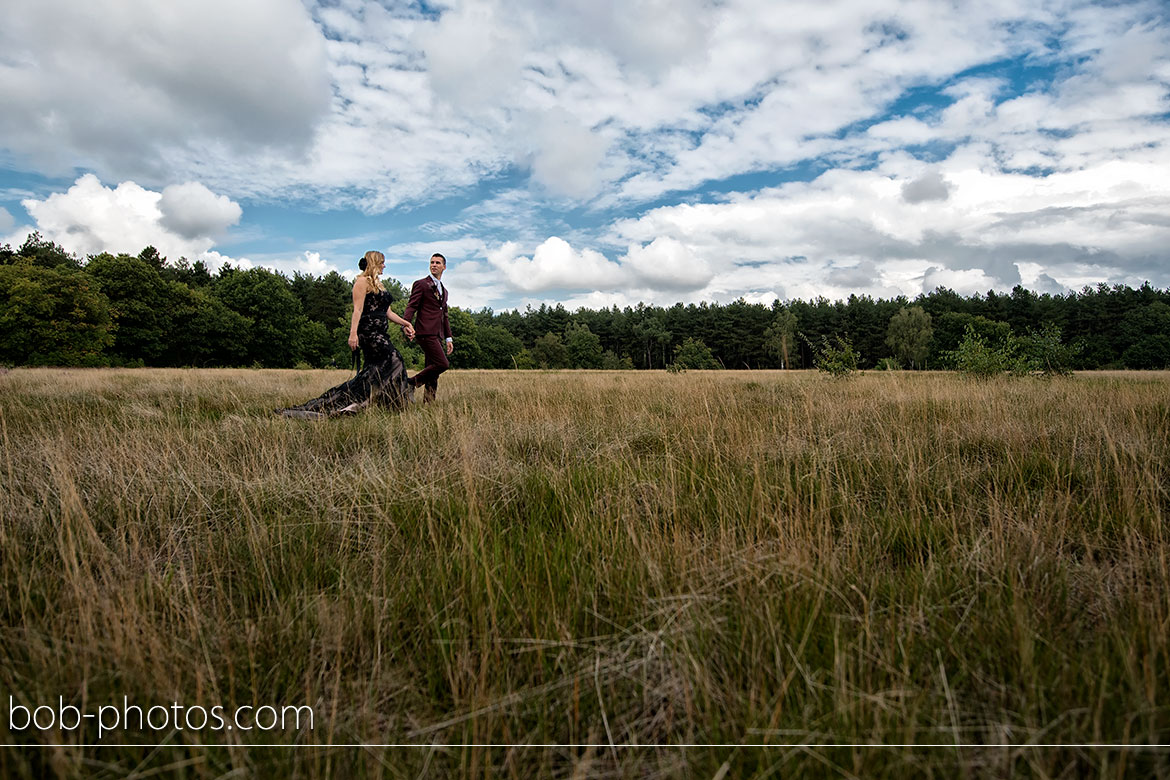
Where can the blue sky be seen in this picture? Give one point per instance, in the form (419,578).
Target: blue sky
(602,152)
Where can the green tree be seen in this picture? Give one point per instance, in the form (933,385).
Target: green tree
(465,334)
(39,252)
(194,275)
(651,332)
(277,322)
(151,257)
(498,346)
(780,336)
(52,316)
(524,360)
(610,361)
(206,332)
(950,328)
(1147,334)
(909,334)
(694,354)
(138,304)
(325,299)
(316,343)
(549,352)
(583,347)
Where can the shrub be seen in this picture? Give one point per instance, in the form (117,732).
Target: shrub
(611,362)
(975,357)
(693,353)
(1043,352)
(837,359)
(1039,352)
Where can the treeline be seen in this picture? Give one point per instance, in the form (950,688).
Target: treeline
(143,310)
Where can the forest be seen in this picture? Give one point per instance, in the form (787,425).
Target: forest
(143,310)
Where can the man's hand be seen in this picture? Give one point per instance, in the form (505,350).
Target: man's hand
(450,347)
(408,330)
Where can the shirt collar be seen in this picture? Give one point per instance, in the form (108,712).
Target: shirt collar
(436,281)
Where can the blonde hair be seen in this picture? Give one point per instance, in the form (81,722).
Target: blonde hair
(375,262)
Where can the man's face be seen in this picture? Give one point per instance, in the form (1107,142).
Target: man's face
(437,267)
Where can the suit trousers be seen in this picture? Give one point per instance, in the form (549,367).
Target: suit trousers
(436,363)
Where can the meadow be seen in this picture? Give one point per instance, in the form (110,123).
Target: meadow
(585,574)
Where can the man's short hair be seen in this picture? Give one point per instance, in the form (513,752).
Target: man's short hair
(436,254)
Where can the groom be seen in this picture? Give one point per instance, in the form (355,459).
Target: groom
(427,310)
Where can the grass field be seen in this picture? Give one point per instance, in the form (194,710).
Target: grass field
(774,561)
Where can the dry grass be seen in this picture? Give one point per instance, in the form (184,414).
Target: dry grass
(757,559)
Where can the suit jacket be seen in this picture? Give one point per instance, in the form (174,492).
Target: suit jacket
(427,309)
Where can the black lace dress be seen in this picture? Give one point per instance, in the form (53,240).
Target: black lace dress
(383,379)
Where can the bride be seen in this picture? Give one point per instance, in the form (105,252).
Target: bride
(383,380)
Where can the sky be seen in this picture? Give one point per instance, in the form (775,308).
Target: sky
(602,152)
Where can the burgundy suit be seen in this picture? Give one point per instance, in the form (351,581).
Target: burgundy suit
(427,310)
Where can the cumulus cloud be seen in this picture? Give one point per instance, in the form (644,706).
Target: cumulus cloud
(6,219)
(193,211)
(90,218)
(555,265)
(666,263)
(966,281)
(855,232)
(312,263)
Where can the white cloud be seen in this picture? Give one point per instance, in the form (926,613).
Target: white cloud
(855,232)
(567,157)
(311,263)
(6,219)
(967,281)
(622,100)
(121,86)
(555,265)
(666,263)
(214,261)
(665,266)
(902,131)
(192,210)
(90,218)
(474,53)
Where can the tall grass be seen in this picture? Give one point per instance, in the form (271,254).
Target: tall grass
(614,559)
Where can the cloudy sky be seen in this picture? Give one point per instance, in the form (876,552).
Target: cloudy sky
(598,152)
